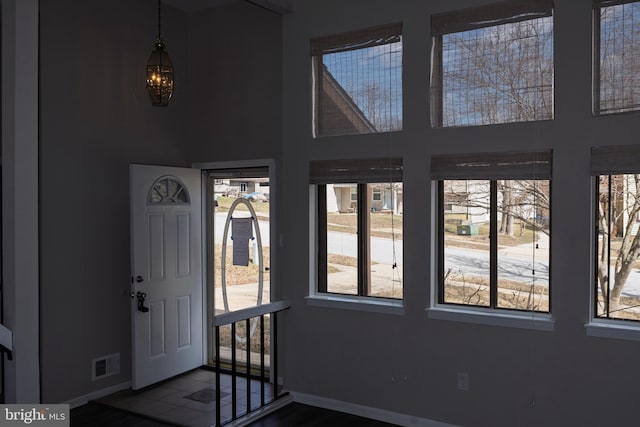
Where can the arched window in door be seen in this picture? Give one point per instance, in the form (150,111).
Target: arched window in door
(168,190)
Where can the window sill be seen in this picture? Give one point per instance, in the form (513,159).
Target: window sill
(612,329)
(532,321)
(346,302)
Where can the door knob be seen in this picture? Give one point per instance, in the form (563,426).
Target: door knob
(141,297)
(139,279)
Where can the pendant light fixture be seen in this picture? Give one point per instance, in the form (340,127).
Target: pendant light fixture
(159,71)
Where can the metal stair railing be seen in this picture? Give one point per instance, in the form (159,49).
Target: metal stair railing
(249,318)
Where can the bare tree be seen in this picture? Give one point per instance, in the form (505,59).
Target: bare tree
(527,201)
(618,207)
(506,225)
(376,105)
(505,73)
(524,201)
(498,74)
(619,84)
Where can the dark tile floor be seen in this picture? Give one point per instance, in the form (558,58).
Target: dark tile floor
(168,404)
(169,401)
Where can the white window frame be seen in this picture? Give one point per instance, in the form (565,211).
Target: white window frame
(597,85)
(340,301)
(478,18)
(273,233)
(608,160)
(532,320)
(351,41)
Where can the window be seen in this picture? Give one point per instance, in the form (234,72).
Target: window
(168,190)
(616,56)
(494,229)
(376,194)
(493,64)
(359,247)
(357,81)
(617,237)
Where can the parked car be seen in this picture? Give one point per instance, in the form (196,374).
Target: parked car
(257,197)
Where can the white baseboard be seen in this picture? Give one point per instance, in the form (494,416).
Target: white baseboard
(366,411)
(83,400)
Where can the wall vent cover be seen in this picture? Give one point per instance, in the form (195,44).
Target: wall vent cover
(105,366)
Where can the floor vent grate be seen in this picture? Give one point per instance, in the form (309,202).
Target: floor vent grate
(105,366)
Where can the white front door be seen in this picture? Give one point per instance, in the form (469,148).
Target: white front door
(166,251)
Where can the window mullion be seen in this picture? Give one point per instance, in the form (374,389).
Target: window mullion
(322,238)
(609,229)
(493,244)
(364,282)
(440,234)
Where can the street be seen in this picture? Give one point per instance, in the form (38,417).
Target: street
(514,263)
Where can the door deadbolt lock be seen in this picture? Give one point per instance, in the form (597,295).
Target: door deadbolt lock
(141,296)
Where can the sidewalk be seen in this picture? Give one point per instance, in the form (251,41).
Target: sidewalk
(539,249)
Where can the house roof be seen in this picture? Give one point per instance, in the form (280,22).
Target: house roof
(340,109)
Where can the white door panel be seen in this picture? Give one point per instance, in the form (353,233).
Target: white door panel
(166,270)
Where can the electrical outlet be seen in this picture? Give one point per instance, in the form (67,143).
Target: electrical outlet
(463,381)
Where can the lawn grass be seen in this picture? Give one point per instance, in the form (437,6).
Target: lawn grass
(382,224)
(524,235)
(239,274)
(511,294)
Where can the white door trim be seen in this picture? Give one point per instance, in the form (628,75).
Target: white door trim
(235,164)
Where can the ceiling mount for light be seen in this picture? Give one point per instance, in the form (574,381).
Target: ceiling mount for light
(159,71)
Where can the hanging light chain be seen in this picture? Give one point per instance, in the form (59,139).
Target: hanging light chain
(159,22)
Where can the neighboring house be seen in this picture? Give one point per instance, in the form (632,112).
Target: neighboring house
(383,197)
(237,187)
(459,203)
(338,113)
(623,202)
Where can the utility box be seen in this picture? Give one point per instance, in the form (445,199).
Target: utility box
(467,229)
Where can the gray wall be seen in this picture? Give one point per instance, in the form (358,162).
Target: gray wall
(355,356)
(235,112)
(96,118)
